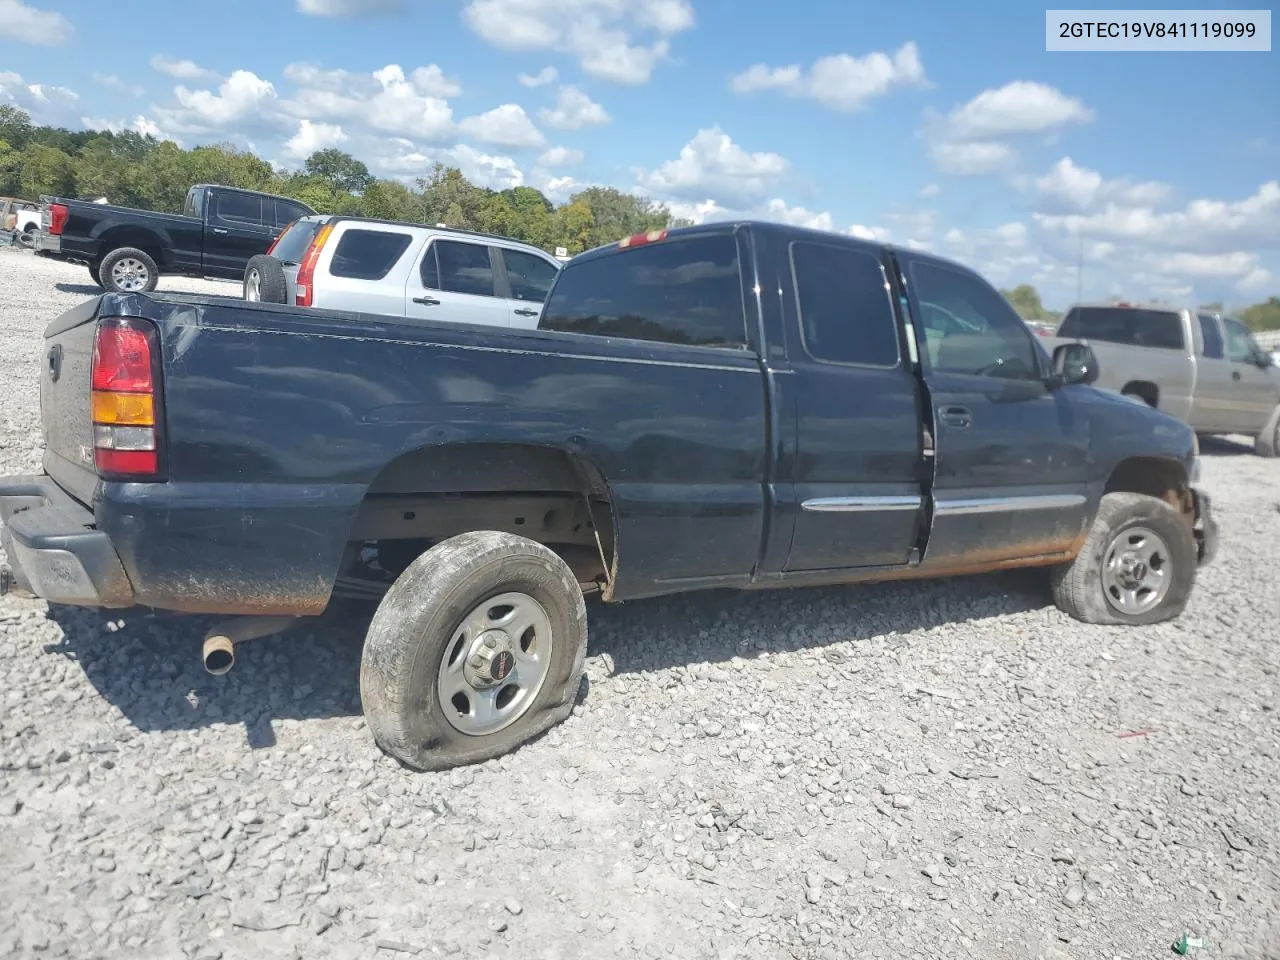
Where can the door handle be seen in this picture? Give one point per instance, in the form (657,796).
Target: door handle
(427,301)
(219,229)
(1235,374)
(526,313)
(958,417)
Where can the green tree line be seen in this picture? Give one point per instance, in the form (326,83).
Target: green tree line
(136,170)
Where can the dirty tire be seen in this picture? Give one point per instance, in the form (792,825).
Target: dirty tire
(1267,442)
(1137,396)
(420,615)
(27,238)
(1078,588)
(95,267)
(271,284)
(128,253)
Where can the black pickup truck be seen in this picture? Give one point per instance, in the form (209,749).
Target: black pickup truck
(741,405)
(218,231)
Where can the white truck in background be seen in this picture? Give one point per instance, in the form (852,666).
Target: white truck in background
(1205,369)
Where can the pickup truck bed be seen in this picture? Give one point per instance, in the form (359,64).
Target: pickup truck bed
(290,455)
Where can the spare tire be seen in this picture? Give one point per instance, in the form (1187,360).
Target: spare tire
(264,280)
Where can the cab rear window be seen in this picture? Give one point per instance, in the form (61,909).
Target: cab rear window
(1130,326)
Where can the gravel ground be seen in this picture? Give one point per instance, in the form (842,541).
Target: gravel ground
(925,770)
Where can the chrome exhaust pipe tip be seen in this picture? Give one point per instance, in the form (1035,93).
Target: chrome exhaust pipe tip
(219,655)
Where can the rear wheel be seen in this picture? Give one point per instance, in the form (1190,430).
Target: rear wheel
(477,647)
(264,280)
(128,270)
(1137,566)
(94,267)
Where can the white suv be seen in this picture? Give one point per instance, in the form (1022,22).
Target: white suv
(403,270)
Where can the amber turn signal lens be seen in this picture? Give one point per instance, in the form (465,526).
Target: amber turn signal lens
(131,409)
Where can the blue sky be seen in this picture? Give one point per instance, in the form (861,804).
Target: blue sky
(945,126)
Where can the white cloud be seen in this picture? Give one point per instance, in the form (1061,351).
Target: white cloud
(406,161)
(312,137)
(139,124)
(1236,264)
(487,170)
(242,96)
(929,191)
(1254,281)
(1016,108)
(600,34)
(969,159)
(978,136)
(560,157)
(111,82)
(45,103)
(863,232)
(182,69)
(573,111)
(712,165)
(504,126)
(1212,226)
(540,79)
(351,8)
(386,100)
(556,189)
(31,25)
(1070,187)
(841,82)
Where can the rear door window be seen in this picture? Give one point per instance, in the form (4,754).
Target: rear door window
(529,276)
(1240,344)
(239,208)
(287,212)
(1130,326)
(686,291)
(846,315)
(462,268)
(1212,337)
(368,254)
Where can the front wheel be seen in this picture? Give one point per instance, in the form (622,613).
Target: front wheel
(477,647)
(1267,442)
(128,270)
(1137,566)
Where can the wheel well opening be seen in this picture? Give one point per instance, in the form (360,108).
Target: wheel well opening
(434,493)
(119,237)
(1146,391)
(1155,477)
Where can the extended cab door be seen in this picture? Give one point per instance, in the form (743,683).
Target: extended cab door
(238,226)
(1012,455)
(1211,398)
(456,281)
(857,479)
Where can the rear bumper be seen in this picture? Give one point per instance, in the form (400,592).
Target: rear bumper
(1206,528)
(48,244)
(54,550)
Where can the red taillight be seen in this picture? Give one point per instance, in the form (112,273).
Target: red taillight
(122,360)
(123,400)
(639,239)
(57,218)
(305,294)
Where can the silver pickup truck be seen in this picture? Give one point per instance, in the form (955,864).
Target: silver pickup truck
(1204,369)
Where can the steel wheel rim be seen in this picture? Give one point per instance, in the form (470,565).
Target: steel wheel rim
(495,664)
(129,274)
(1137,570)
(253,287)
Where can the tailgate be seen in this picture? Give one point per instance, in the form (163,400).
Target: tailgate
(64,400)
